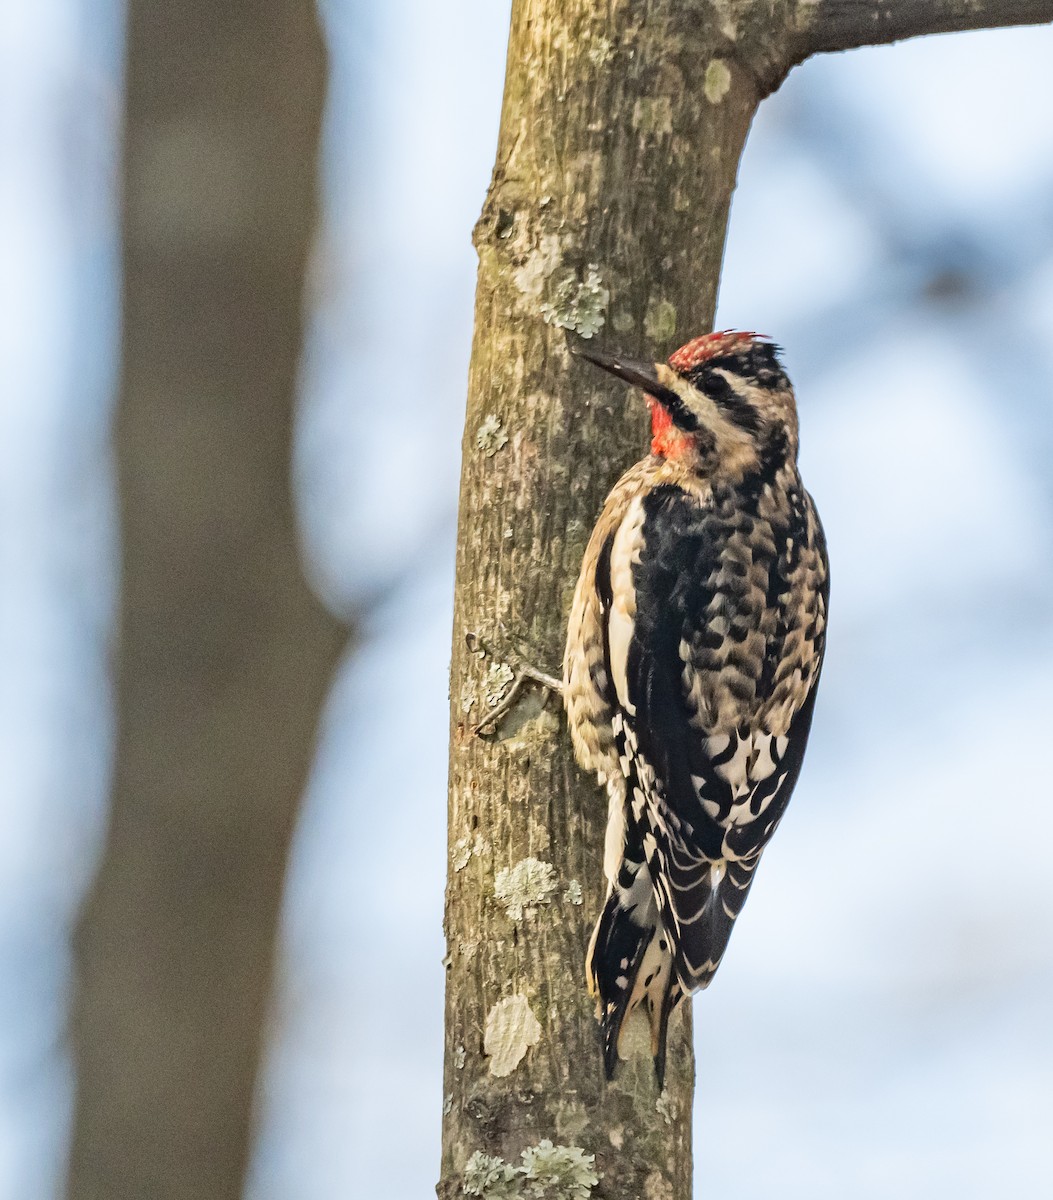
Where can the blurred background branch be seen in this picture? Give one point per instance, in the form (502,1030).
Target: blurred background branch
(223,654)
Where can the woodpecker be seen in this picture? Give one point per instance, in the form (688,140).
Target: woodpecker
(693,654)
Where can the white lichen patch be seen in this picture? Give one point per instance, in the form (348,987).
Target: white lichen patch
(511,1029)
(524,887)
(491,436)
(468,696)
(463,849)
(462,853)
(600,50)
(447,1104)
(653,115)
(498,679)
(616,1136)
(532,276)
(666,1107)
(558,1172)
(468,948)
(660,321)
(459,1054)
(573,893)
(717,81)
(490,1176)
(579,305)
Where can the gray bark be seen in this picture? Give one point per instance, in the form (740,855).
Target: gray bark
(621,133)
(223,656)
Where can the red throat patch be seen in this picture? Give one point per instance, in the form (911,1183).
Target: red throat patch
(667,441)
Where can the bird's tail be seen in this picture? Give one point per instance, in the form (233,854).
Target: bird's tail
(629,963)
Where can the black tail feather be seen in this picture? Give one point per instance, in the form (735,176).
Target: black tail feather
(617,940)
(671,997)
(620,949)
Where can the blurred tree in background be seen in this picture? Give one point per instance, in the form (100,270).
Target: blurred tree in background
(223,654)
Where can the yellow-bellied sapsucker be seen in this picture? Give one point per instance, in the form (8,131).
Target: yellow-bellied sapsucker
(693,653)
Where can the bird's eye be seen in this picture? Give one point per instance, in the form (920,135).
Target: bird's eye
(716,385)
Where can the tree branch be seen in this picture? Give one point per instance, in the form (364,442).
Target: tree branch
(823,25)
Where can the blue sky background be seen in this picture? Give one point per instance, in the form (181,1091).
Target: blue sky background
(881,1024)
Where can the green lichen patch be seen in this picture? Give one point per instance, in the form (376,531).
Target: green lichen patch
(660,321)
(547,1172)
(573,893)
(524,887)
(717,81)
(579,304)
(490,1176)
(558,1172)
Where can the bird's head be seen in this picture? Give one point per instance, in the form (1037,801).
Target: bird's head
(724,392)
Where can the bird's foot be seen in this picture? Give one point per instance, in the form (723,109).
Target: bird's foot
(523,673)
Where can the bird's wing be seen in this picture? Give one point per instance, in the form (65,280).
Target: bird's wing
(705,794)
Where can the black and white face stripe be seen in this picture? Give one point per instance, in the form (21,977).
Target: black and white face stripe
(758,365)
(726,380)
(717,385)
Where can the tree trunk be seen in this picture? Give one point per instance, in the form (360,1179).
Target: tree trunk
(224,656)
(621,133)
(620,137)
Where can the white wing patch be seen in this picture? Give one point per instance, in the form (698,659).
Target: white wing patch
(614,839)
(625,554)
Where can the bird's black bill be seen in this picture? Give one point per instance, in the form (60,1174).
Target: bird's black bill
(639,374)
